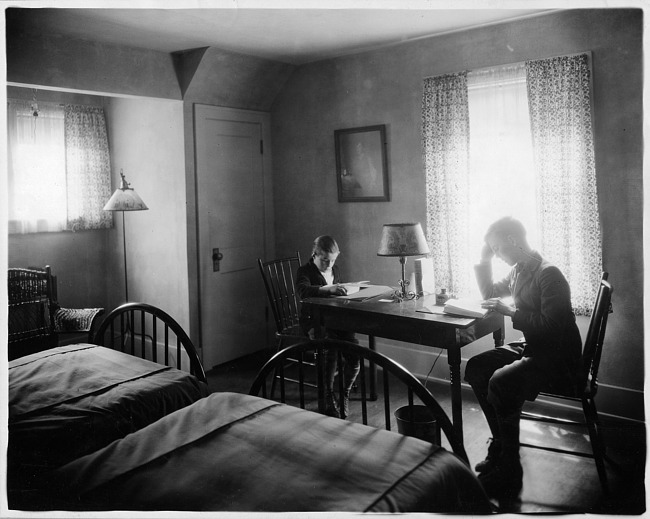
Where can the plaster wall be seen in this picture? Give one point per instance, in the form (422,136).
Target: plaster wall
(224,78)
(59,62)
(154,163)
(385,87)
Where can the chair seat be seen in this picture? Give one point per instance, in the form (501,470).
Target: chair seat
(293,331)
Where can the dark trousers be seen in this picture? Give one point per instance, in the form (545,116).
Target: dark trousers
(350,363)
(502,381)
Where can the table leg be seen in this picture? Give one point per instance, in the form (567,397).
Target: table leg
(373,369)
(319,334)
(453,358)
(498,336)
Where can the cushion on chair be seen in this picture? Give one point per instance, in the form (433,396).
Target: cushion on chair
(75,319)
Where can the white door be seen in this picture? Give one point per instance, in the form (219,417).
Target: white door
(231,221)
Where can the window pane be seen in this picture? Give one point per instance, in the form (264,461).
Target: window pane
(37,170)
(502,180)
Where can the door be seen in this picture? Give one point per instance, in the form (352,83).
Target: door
(231,232)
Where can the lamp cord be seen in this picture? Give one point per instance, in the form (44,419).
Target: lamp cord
(426,379)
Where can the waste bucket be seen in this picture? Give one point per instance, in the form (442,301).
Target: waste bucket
(421,425)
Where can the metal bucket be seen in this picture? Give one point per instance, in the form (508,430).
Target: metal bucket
(422,425)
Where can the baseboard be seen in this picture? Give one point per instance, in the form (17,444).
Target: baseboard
(614,402)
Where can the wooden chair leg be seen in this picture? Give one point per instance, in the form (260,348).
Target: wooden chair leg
(597,441)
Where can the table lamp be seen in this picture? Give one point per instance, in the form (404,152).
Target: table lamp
(125,199)
(402,240)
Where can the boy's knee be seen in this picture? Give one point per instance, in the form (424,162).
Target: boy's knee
(470,370)
(505,393)
(476,373)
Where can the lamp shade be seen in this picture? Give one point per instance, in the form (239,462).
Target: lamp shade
(402,239)
(125,198)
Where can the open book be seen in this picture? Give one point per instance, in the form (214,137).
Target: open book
(465,308)
(352,287)
(366,292)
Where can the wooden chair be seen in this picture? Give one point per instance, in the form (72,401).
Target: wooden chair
(279,277)
(36,320)
(399,387)
(148,332)
(587,387)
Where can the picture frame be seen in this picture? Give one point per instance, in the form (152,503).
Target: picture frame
(361,164)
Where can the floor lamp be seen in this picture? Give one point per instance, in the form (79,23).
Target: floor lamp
(125,199)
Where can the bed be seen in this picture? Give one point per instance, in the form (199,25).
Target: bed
(237,452)
(69,401)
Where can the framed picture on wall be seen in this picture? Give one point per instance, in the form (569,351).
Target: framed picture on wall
(361,165)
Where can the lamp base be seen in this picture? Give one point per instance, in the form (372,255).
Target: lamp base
(402,294)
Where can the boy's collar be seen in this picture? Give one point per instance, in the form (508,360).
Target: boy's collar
(531,263)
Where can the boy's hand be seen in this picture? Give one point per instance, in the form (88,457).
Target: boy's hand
(495,304)
(486,253)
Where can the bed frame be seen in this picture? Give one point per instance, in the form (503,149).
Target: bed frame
(273,375)
(135,328)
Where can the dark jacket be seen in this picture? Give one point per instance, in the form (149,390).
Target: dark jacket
(308,281)
(544,314)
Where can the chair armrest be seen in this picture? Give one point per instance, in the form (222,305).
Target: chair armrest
(75,319)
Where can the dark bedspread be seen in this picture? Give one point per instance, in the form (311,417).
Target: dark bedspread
(234,452)
(73,400)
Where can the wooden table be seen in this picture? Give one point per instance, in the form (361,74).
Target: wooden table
(403,322)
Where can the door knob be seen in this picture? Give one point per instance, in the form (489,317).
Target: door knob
(216,258)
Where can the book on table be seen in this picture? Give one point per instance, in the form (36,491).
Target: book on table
(352,287)
(365,292)
(465,308)
(423,277)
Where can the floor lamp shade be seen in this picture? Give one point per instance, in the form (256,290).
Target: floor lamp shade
(402,240)
(125,199)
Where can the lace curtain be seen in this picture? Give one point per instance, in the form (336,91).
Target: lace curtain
(88,168)
(59,168)
(560,114)
(445,141)
(566,207)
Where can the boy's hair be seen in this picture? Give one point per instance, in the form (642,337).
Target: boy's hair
(324,244)
(505,226)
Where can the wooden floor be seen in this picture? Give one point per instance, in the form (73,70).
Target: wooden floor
(553,483)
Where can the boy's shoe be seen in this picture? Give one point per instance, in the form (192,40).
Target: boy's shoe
(331,408)
(494,450)
(504,481)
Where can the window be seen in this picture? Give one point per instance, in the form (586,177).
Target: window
(500,154)
(513,140)
(59,168)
